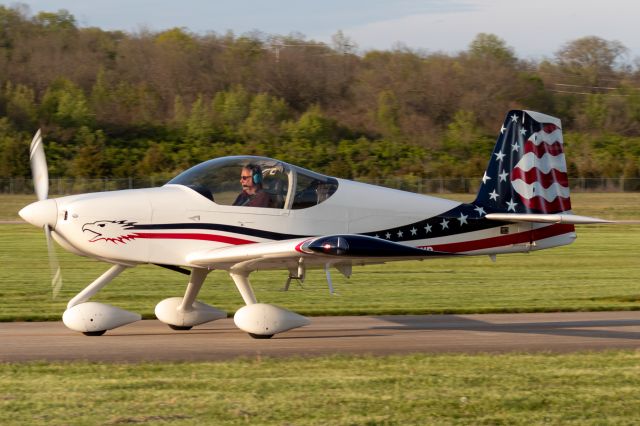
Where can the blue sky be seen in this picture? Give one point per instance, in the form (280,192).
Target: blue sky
(534,28)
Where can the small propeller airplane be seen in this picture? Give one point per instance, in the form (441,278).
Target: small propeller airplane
(197,222)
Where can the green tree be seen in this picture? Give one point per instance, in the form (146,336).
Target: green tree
(57,21)
(179,111)
(388,114)
(312,126)
(591,58)
(12,23)
(21,106)
(595,112)
(102,100)
(90,160)
(401,113)
(66,105)
(14,152)
(155,161)
(461,132)
(176,38)
(491,47)
(199,125)
(265,117)
(464,147)
(235,106)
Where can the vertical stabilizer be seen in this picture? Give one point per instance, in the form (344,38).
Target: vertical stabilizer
(527,172)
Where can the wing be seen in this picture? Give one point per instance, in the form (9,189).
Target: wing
(342,248)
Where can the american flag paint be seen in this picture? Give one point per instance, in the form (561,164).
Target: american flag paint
(527,172)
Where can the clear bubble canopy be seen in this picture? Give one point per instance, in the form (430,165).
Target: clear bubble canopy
(288,186)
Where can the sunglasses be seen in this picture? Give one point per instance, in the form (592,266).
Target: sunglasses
(245,177)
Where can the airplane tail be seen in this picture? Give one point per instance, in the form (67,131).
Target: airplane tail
(527,173)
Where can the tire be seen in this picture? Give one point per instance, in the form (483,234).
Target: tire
(180,327)
(94,333)
(261,336)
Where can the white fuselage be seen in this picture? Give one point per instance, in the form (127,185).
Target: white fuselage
(176,221)
(354,208)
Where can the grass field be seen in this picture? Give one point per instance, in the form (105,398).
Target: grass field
(600,271)
(514,389)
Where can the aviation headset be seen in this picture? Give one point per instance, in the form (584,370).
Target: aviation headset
(256,173)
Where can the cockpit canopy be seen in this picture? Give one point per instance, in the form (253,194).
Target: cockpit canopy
(288,186)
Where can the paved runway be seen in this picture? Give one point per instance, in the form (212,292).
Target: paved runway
(379,335)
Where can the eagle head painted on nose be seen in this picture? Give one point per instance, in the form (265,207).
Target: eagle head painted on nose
(115,231)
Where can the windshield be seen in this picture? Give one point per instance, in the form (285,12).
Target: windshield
(282,185)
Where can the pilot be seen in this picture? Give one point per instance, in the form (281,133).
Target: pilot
(252,194)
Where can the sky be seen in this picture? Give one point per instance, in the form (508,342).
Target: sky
(534,29)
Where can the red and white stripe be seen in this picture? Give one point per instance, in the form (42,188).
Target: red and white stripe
(540,177)
(486,241)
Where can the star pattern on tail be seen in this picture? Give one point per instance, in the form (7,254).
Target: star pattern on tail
(527,172)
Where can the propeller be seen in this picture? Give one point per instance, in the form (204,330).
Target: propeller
(39,167)
(54,265)
(41,211)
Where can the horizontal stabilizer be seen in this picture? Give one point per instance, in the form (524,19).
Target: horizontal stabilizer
(571,219)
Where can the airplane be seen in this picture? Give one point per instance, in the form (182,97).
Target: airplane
(191,225)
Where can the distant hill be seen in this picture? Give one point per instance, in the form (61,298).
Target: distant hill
(114,104)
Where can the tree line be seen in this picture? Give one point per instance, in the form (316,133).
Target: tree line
(116,104)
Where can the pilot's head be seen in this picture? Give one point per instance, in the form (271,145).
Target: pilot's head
(251,178)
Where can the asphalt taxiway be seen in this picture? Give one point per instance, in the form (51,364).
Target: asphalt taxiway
(378,335)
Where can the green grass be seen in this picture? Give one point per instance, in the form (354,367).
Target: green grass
(10,205)
(600,271)
(515,389)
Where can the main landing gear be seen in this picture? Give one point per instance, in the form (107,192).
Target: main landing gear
(182,313)
(259,320)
